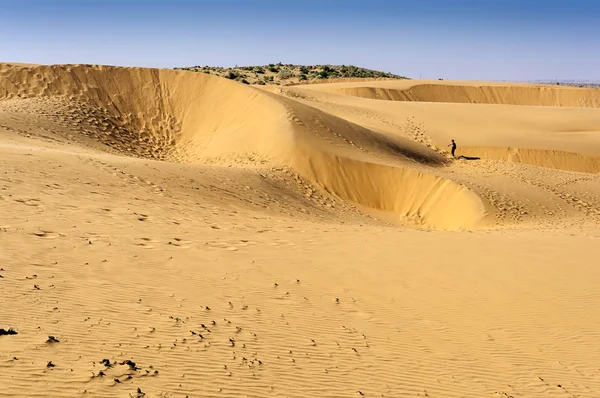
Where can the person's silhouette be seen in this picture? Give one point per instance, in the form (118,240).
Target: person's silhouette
(453,145)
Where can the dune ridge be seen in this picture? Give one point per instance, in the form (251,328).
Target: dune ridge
(188,117)
(411,196)
(473,93)
(153,112)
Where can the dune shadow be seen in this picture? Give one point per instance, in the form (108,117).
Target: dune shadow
(468,157)
(397,149)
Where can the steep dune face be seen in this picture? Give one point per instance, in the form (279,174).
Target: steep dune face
(189,117)
(151,112)
(406,195)
(351,162)
(529,95)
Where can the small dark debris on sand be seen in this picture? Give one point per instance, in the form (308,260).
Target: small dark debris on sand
(131,364)
(7,332)
(52,339)
(50,365)
(106,363)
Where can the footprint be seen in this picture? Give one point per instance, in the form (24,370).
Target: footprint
(141,217)
(29,202)
(146,242)
(47,234)
(184,244)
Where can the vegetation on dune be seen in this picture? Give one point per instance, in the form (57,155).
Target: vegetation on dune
(287,74)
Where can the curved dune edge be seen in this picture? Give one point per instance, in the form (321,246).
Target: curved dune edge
(506,95)
(155,113)
(189,117)
(559,160)
(404,194)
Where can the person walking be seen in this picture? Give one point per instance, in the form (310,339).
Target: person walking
(453,145)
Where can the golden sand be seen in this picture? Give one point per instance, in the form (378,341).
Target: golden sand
(180,234)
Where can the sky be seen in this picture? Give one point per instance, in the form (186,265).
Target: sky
(430,39)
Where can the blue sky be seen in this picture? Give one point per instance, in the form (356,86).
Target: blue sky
(451,39)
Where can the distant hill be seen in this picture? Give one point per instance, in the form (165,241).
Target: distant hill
(288,74)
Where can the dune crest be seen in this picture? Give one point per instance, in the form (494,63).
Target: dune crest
(408,195)
(474,93)
(189,117)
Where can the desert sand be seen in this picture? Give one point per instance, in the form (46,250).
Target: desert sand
(169,234)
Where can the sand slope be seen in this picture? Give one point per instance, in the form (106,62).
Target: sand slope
(180,235)
(188,117)
(472,93)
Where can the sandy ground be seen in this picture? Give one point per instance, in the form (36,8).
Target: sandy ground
(172,234)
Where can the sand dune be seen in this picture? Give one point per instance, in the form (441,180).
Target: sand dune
(168,233)
(560,129)
(360,151)
(187,117)
(473,93)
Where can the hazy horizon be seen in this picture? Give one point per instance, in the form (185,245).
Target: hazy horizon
(466,40)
